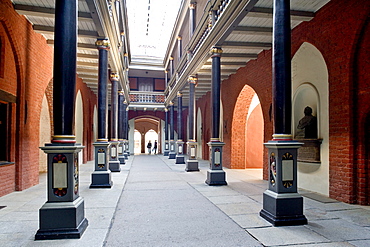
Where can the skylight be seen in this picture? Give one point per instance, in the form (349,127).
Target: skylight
(150,26)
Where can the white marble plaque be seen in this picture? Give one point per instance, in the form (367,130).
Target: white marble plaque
(120,149)
(287,167)
(192,152)
(59,175)
(171,147)
(180,149)
(101,158)
(113,151)
(217,157)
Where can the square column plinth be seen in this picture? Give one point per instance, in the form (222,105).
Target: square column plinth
(216,175)
(180,159)
(192,164)
(166,148)
(63,215)
(114,164)
(172,153)
(121,151)
(101,177)
(282,205)
(126,151)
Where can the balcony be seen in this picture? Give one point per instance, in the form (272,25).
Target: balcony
(147,99)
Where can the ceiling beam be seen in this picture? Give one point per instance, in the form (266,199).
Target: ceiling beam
(50,30)
(46,12)
(253,30)
(242,55)
(88,64)
(88,56)
(229,63)
(82,46)
(250,45)
(296,15)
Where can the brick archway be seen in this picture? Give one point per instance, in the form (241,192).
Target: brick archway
(239,135)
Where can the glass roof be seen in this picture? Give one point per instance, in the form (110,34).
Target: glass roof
(150,26)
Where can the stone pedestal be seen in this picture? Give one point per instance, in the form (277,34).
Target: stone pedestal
(63,215)
(101,177)
(126,151)
(192,164)
(282,205)
(114,164)
(216,175)
(121,156)
(172,153)
(180,159)
(166,148)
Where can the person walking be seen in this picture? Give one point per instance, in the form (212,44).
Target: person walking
(155,147)
(149,146)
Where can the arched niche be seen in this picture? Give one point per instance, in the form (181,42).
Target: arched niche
(79,123)
(45,133)
(199,134)
(310,87)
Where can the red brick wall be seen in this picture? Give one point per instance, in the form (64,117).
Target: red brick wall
(256,74)
(27,72)
(336,36)
(254,148)
(7,175)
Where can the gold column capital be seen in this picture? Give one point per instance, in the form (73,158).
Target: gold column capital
(179,94)
(193,79)
(192,5)
(171,58)
(103,44)
(114,76)
(171,103)
(179,38)
(216,51)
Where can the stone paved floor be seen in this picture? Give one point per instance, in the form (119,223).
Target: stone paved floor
(154,202)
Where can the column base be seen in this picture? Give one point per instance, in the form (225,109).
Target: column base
(180,159)
(125,155)
(216,177)
(172,155)
(114,166)
(101,179)
(121,160)
(62,220)
(192,166)
(166,153)
(285,209)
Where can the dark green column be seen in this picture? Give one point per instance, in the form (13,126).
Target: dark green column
(63,215)
(216,175)
(192,162)
(172,153)
(282,205)
(180,159)
(101,177)
(114,164)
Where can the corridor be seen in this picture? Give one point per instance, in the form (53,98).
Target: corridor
(154,202)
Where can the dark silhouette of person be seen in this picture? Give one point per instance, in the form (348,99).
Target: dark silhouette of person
(155,147)
(149,146)
(309,124)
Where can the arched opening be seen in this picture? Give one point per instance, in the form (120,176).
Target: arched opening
(152,137)
(45,133)
(146,128)
(254,135)
(137,142)
(247,131)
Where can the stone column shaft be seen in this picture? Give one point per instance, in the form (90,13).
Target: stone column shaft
(172,69)
(103,47)
(114,107)
(172,153)
(179,46)
(192,21)
(281,69)
(192,162)
(65,54)
(180,159)
(216,93)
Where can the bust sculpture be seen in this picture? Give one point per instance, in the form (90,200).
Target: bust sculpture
(309,124)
